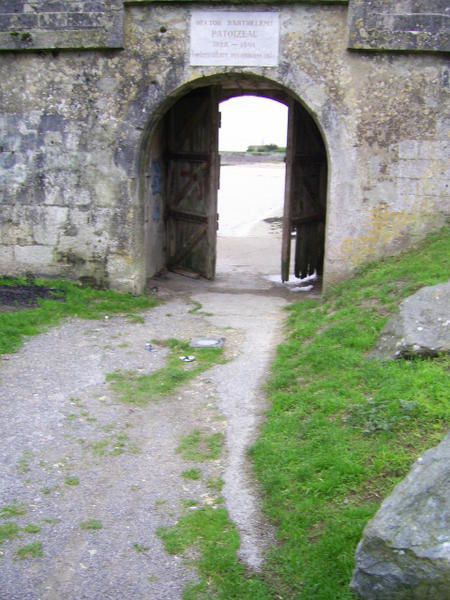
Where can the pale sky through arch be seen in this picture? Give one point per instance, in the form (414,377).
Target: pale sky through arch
(250,120)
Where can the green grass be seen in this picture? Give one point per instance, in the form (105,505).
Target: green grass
(215,484)
(139,390)
(140,549)
(91,525)
(72,481)
(216,542)
(8,531)
(23,464)
(197,309)
(114,445)
(79,302)
(138,319)
(13,510)
(343,430)
(198,447)
(31,528)
(194,474)
(30,551)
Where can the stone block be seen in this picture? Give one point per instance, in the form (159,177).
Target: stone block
(49,224)
(438,149)
(415,168)
(6,258)
(408,149)
(33,257)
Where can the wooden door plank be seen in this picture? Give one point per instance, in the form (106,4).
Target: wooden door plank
(186,190)
(192,182)
(288,193)
(214,181)
(188,246)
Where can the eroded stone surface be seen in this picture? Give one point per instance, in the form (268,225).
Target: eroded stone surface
(393,25)
(405,550)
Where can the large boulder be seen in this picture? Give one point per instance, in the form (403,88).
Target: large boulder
(421,328)
(404,553)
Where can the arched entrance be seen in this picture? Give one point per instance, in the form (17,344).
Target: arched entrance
(183,167)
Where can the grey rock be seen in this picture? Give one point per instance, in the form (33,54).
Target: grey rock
(422,327)
(405,550)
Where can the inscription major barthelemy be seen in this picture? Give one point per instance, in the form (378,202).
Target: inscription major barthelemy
(230,38)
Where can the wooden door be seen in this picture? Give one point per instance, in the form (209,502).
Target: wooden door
(305,195)
(192,182)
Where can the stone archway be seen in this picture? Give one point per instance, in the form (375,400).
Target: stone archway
(179,174)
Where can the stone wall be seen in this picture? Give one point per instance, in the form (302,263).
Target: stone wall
(76,128)
(400,25)
(47,24)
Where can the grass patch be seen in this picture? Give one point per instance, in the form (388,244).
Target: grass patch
(114,445)
(139,390)
(91,525)
(13,510)
(8,531)
(194,474)
(23,464)
(198,447)
(30,551)
(343,430)
(140,549)
(215,484)
(215,540)
(31,528)
(80,302)
(138,319)
(49,490)
(72,481)
(197,309)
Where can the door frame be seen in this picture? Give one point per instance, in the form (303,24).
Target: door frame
(230,85)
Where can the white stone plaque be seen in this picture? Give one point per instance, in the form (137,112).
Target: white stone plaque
(236,39)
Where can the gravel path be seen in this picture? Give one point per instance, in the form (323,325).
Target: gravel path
(73,453)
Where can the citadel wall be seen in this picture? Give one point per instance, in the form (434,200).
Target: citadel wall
(82,92)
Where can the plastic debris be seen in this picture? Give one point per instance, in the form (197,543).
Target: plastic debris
(207,343)
(187,358)
(149,347)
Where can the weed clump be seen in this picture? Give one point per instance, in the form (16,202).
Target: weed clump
(139,390)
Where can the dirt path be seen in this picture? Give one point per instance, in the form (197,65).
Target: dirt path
(72,453)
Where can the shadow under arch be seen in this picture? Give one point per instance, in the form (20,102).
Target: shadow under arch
(178,170)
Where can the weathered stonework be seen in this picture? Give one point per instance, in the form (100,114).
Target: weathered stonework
(47,24)
(400,25)
(79,129)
